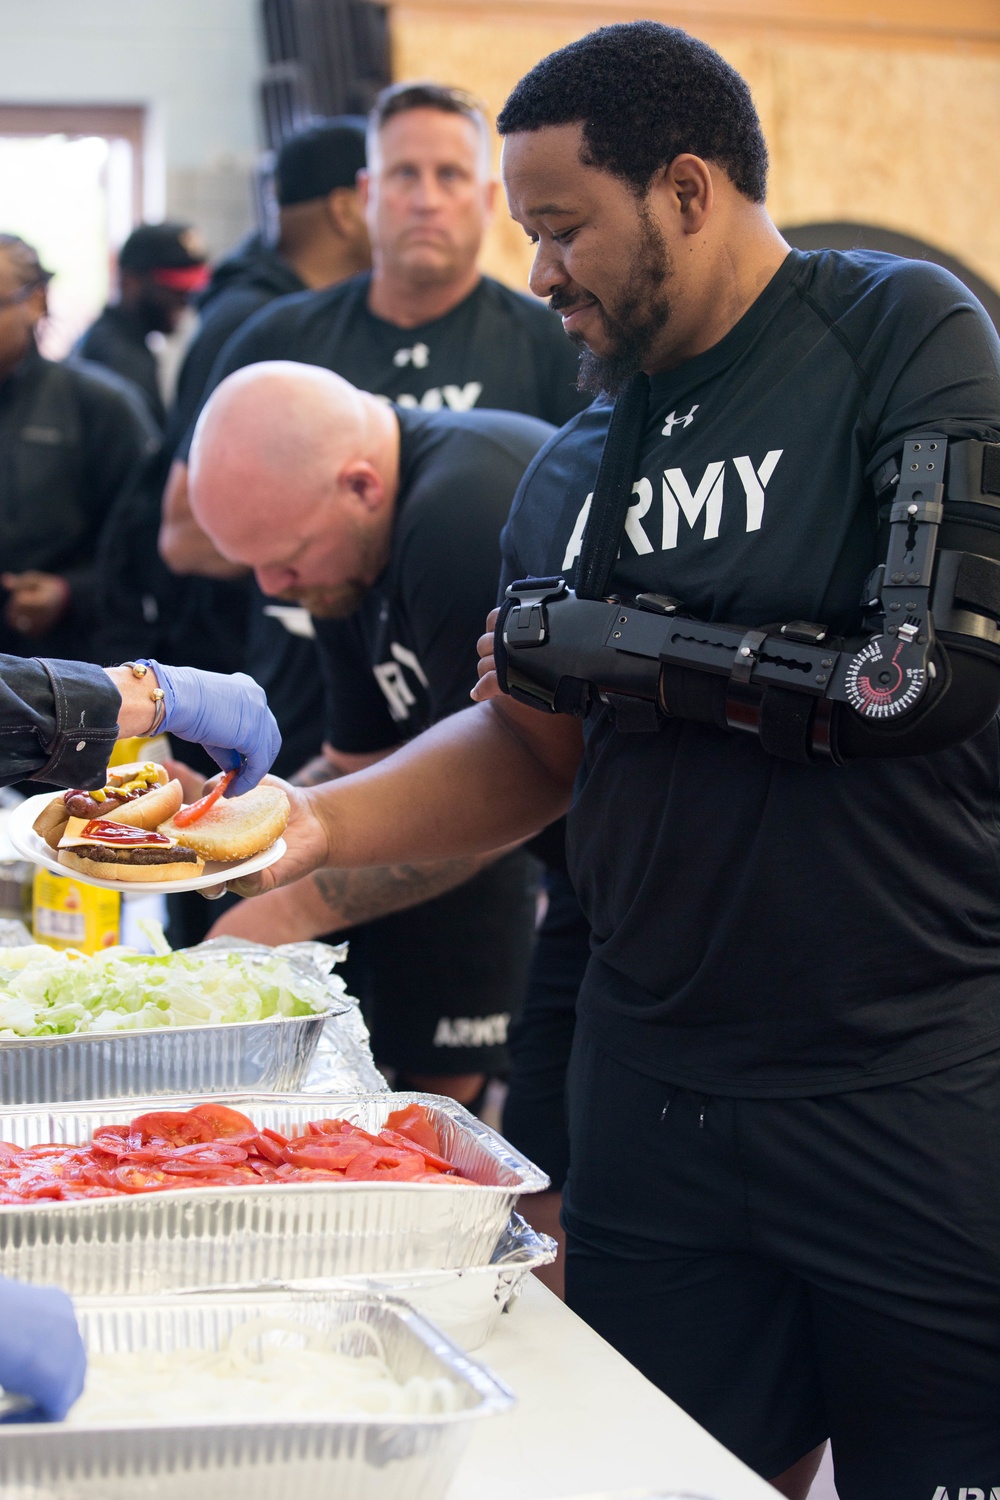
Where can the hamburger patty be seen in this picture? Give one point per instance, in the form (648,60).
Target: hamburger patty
(104,856)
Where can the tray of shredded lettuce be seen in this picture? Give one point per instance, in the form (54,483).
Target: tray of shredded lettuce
(47,993)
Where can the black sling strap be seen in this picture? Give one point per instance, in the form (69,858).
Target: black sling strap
(612,490)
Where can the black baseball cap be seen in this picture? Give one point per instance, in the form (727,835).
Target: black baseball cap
(317,160)
(174,253)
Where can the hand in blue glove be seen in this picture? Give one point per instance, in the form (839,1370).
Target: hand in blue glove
(229,716)
(41,1351)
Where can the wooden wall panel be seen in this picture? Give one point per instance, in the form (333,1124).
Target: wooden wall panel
(887,113)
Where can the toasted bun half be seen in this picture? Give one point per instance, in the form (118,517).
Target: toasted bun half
(50,824)
(237,828)
(131,874)
(151,809)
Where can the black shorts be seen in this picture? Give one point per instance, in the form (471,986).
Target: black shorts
(439,983)
(534,1115)
(791,1270)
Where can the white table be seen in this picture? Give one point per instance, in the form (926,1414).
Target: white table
(586,1421)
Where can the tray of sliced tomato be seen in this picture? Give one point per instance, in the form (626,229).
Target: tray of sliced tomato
(116,1197)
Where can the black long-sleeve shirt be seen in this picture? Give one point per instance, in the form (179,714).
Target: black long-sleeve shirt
(58,721)
(72,438)
(117,340)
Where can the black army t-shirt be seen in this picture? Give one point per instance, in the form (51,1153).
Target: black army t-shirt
(760,927)
(496,349)
(407,657)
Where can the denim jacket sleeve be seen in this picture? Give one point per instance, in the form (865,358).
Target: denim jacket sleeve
(58,721)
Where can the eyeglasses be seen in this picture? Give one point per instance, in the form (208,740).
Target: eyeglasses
(23,293)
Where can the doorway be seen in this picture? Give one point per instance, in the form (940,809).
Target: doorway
(72,187)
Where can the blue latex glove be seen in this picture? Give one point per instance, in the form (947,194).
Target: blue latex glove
(41,1351)
(228,716)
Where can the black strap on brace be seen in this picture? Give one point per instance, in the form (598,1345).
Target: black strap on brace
(612,490)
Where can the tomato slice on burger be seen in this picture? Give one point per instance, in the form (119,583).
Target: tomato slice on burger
(188,815)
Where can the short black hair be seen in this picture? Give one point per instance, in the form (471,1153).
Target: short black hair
(644,94)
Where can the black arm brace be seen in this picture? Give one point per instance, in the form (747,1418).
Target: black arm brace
(926,676)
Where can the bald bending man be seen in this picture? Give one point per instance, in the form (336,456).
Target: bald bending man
(384,523)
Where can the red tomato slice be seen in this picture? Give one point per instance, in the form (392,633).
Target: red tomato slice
(204,1157)
(332,1156)
(288,1173)
(223,1122)
(9,1153)
(188,815)
(269,1149)
(174,1127)
(111,1139)
(381,1161)
(275,1136)
(415,1123)
(137,1180)
(430,1157)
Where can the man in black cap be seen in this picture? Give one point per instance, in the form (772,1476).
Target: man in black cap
(160,267)
(322,239)
(71,439)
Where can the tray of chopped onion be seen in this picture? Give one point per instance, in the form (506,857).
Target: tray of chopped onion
(307,1395)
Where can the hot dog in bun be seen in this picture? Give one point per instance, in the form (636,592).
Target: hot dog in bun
(140,795)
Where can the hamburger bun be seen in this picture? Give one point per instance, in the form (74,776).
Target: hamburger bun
(237,828)
(99,869)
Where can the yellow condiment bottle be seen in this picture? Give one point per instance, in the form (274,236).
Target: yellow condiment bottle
(66,913)
(126,752)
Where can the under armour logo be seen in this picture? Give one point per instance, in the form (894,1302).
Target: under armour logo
(418,357)
(675,421)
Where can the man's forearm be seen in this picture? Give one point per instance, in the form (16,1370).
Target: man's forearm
(482,779)
(333,900)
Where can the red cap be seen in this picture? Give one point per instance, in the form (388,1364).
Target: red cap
(181,278)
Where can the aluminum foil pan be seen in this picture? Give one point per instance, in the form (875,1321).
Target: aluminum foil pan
(274,1054)
(465,1303)
(368,1458)
(225,1236)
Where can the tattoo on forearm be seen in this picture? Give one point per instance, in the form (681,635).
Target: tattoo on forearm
(315,772)
(355,896)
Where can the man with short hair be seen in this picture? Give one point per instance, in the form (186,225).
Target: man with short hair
(384,523)
(426,328)
(322,239)
(782,1201)
(160,268)
(72,436)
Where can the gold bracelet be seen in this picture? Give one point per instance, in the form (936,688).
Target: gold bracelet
(156,697)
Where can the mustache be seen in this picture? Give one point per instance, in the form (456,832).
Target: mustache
(563,301)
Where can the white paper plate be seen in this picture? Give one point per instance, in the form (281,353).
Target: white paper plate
(28,844)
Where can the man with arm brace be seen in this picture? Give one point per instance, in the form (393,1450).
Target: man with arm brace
(782,1197)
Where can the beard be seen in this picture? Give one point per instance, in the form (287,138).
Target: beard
(328,603)
(634,321)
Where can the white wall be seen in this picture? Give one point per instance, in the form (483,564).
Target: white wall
(193,63)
